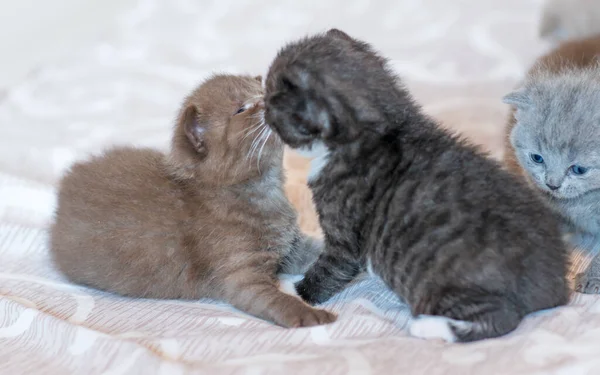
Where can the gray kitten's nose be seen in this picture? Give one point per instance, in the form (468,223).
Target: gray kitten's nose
(552,187)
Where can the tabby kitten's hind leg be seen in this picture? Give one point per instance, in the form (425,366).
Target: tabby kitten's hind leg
(327,276)
(464,316)
(589,281)
(252,286)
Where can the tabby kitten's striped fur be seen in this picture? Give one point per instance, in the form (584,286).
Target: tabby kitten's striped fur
(466,244)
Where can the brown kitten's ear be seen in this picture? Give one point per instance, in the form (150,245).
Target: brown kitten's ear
(258,78)
(519,99)
(337,33)
(195,130)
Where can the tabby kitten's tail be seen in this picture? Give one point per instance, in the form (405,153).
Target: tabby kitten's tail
(475,316)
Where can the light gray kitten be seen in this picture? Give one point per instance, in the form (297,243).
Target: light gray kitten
(556,141)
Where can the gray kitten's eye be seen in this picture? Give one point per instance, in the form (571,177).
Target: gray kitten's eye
(537,158)
(578,169)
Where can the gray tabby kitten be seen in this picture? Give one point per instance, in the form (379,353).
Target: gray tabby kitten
(466,244)
(555,141)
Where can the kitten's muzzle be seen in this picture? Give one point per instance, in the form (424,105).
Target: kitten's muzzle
(553,187)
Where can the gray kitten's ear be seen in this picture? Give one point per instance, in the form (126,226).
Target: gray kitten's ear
(194,129)
(519,99)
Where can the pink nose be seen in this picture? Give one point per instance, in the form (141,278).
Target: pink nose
(260,104)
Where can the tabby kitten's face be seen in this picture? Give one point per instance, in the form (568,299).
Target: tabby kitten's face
(309,109)
(296,114)
(557,134)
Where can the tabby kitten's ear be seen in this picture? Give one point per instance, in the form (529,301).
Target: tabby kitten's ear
(518,98)
(195,130)
(337,33)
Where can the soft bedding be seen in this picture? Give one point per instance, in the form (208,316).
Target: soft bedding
(458,57)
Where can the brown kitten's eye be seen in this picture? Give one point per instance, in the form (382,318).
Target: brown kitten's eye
(242,109)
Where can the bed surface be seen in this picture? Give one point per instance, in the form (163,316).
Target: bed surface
(458,57)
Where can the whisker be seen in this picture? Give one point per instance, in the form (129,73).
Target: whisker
(260,139)
(255,143)
(269,133)
(252,129)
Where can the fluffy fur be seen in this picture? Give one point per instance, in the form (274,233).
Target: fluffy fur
(208,220)
(569,19)
(556,116)
(443,226)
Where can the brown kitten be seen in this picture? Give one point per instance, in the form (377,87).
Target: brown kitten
(208,220)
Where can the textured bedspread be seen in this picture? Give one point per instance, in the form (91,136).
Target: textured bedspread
(458,56)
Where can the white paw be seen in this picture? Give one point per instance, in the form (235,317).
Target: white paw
(434,327)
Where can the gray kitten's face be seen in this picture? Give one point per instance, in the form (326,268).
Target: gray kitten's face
(557,136)
(563,172)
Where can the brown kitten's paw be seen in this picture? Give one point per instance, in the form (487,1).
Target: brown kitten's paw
(587,285)
(310,317)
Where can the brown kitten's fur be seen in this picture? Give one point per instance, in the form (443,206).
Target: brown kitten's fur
(577,54)
(208,220)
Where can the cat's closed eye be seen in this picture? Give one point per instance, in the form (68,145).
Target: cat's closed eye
(302,128)
(299,125)
(287,84)
(242,109)
(304,131)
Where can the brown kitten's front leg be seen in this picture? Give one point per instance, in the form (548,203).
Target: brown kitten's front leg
(253,288)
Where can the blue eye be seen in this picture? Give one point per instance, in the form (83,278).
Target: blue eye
(578,169)
(537,158)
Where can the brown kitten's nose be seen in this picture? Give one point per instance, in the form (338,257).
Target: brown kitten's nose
(260,104)
(552,187)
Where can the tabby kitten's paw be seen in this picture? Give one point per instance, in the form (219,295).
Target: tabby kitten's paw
(587,284)
(310,293)
(434,328)
(310,317)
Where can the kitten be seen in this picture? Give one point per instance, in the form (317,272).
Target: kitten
(569,19)
(553,138)
(210,219)
(464,243)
